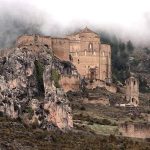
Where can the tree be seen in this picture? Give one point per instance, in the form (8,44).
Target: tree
(130,46)
(147,50)
(122,46)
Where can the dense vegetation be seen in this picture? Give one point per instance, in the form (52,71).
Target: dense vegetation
(121,52)
(39,68)
(55,76)
(125,60)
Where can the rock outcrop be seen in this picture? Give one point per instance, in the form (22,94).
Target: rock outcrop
(29,91)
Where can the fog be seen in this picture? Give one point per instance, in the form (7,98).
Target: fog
(127,19)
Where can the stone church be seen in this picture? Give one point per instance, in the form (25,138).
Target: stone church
(92,59)
(84,49)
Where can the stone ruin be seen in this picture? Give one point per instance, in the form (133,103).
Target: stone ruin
(132,91)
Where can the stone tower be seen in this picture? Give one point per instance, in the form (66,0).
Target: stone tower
(132,91)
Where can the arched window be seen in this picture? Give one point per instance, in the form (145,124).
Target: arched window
(103,53)
(94,52)
(136,102)
(70,58)
(90,47)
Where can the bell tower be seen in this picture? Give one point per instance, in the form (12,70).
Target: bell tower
(132,91)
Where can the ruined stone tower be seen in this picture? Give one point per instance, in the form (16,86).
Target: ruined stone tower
(132,91)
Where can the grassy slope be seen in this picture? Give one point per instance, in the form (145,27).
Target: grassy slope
(94,116)
(15,136)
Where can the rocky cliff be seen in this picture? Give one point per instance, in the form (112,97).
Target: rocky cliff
(29,88)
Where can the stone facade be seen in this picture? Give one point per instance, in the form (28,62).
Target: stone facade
(33,39)
(70,83)
(60,46)
(84,49)
(132,91)
(92,59)
(141,130)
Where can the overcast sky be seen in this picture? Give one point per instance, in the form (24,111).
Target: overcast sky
(128,18)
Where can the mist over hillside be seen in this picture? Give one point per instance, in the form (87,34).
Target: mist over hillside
(20,17)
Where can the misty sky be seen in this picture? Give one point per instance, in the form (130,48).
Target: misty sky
(127,18)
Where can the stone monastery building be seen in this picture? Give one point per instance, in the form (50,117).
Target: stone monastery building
(84,49)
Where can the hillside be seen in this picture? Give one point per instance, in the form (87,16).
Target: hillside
(36,113)
(14,135)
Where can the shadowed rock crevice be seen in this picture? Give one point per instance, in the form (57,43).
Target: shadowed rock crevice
(39,69)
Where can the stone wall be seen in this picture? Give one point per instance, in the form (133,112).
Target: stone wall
(24,40)
(135,130)
(70,83)
(33,39)
(101,61)
(109,87)
(46,40)
(74,47)
(74,43)
(101,101)
(105,62)
(84,62)
(61,48)
(90,42)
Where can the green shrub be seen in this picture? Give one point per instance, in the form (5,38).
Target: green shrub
(135,62)
(55,76)
(30,111)
(1,114)
(143,85)
(106,122)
